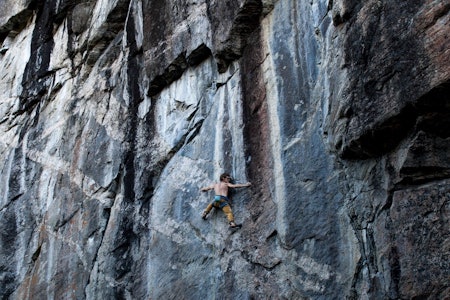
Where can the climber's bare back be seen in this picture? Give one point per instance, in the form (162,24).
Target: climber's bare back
(221,188)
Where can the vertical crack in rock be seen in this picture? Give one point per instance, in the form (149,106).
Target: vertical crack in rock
(260,253)
(366,267)
(106,214)
(37,78)
(8,241)
(126,238)
(256,130)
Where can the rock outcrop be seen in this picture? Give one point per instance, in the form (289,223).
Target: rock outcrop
(113,115)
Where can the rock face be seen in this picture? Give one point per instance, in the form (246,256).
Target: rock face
(113,115)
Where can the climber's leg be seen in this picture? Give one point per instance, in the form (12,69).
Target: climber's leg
(207,210)
(228,213)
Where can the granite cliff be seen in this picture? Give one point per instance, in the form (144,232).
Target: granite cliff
(113,115)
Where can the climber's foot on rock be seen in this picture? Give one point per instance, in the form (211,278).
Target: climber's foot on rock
(235,226)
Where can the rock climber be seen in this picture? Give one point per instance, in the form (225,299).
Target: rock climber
(221,197)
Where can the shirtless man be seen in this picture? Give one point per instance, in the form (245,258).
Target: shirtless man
(221,197)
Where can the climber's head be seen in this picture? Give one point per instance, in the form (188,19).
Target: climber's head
(225,176)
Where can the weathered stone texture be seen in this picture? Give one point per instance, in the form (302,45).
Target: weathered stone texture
(389,47)
(420,218)
(113,115)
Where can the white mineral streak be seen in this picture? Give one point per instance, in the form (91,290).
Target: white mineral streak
(175,106)
(174,111)
(220,127)
(236,126)
(275,133)
(12,66)
(100,14)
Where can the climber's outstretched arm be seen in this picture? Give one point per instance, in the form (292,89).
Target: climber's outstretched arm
(207,188)
(239,185)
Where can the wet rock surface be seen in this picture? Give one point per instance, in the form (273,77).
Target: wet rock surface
(114,114)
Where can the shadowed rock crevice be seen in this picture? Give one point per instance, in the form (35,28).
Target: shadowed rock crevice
(16,23)
(231,41)
(124,238)
(389,113)
(36,79)
(418,161)
(8,234)
(256,120)
(342,10)
(426,155)
(100,39)
(170,74)
(430,113)
(62,9)
(381,138)
(177,67)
